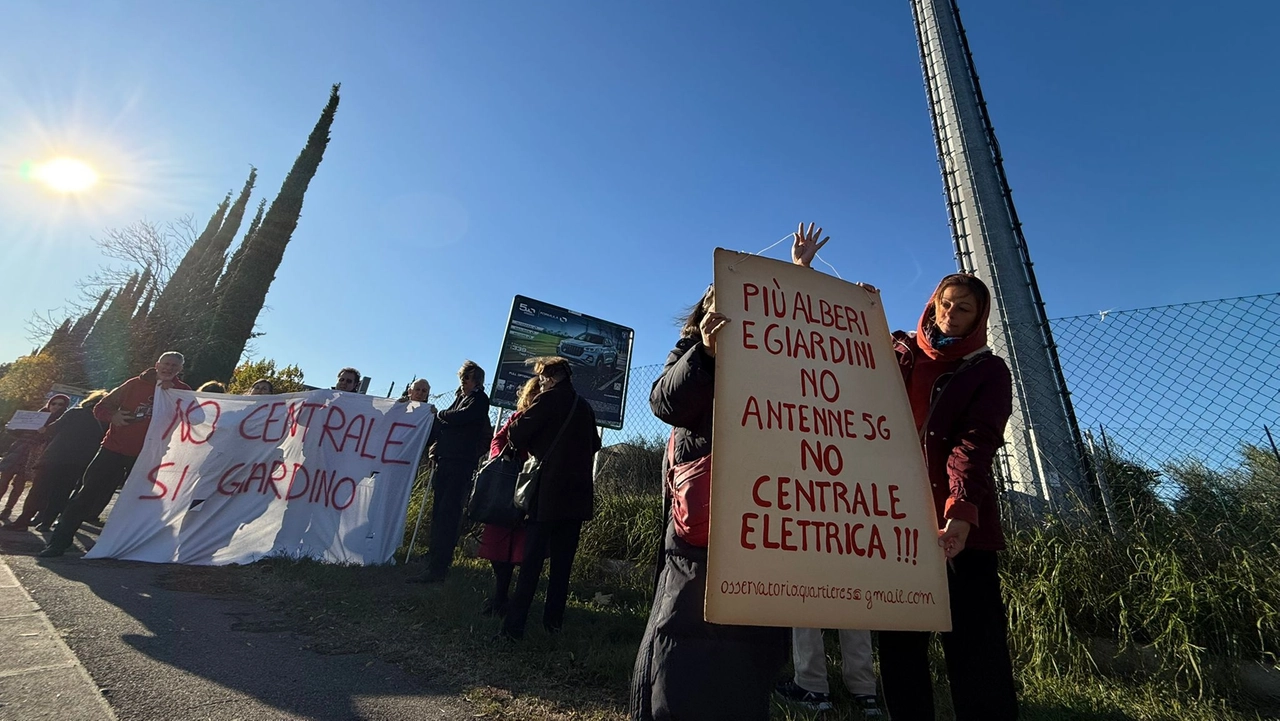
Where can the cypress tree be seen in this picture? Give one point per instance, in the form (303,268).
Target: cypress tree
(234,263)
(245,292)
(58,341)
(80,329)
(107,353)
(214,257)
(71,352)
(199,299)
(168,317)
(141,345)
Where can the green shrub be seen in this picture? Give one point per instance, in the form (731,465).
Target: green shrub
(1185,594)
(626,527)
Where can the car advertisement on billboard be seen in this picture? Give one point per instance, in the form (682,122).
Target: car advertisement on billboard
(599,351)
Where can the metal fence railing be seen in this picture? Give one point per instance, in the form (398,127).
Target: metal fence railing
(1169,393)
(1176,391)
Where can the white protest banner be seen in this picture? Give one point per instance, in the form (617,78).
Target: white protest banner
(821,513)
(27,420)
(230,479)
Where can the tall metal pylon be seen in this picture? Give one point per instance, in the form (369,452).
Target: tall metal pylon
(1042,460)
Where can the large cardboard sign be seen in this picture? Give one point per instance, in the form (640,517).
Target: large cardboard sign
(821,514)
(230,479)
(599,351)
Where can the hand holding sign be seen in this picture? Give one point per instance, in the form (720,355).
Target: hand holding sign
(712,323)
(954,536)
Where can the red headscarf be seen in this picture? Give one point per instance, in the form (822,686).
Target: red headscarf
(976,339)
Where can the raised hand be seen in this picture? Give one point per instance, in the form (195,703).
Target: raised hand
(805,245)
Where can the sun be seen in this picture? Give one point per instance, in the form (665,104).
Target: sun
(65,175)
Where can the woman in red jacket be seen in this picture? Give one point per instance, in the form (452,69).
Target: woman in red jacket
(961,397)
(503,546)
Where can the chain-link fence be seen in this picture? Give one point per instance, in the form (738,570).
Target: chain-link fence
(1178,392)
(1163,398)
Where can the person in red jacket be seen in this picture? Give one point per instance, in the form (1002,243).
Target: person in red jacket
(961,397)
(503,546)
(128,410)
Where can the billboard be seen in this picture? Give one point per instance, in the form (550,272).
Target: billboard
(599,351)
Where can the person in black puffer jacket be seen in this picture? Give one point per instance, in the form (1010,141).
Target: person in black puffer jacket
(688,668)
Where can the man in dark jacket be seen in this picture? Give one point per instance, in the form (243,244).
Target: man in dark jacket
(128,410)
(565,495)
(457,438)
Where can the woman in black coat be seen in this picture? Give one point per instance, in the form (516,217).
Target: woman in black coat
(565,495)
(72,442)
(688,669)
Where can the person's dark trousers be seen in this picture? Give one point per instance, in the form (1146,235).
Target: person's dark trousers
(105,473)
(18,482)
(559,541)
(977,651)
(102,501)
(450,484)
(502,574)
(62,479)
(46,477)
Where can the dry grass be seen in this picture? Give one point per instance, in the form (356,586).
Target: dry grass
(1073,598)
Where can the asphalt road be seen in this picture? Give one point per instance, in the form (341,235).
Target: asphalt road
(158,653)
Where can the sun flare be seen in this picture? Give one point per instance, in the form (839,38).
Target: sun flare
(65,175)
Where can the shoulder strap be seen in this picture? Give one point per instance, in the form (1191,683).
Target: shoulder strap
(572,409)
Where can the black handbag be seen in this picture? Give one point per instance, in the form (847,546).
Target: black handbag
(527,482)
(494,487)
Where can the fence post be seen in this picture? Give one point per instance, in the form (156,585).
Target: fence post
(1274,452)
(408,553)
(1104,489)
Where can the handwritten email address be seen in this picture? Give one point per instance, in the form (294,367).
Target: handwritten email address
(872,596)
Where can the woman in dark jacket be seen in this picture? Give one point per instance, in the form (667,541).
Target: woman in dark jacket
(565,496)
(19,463)
(72,442)
(688,669)
(961,397)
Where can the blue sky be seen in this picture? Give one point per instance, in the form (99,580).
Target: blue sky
(593,154)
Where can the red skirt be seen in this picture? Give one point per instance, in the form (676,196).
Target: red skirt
(502,544)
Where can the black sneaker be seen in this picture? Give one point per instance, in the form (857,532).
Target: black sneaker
(869,706)
(811,700)
(52,552)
